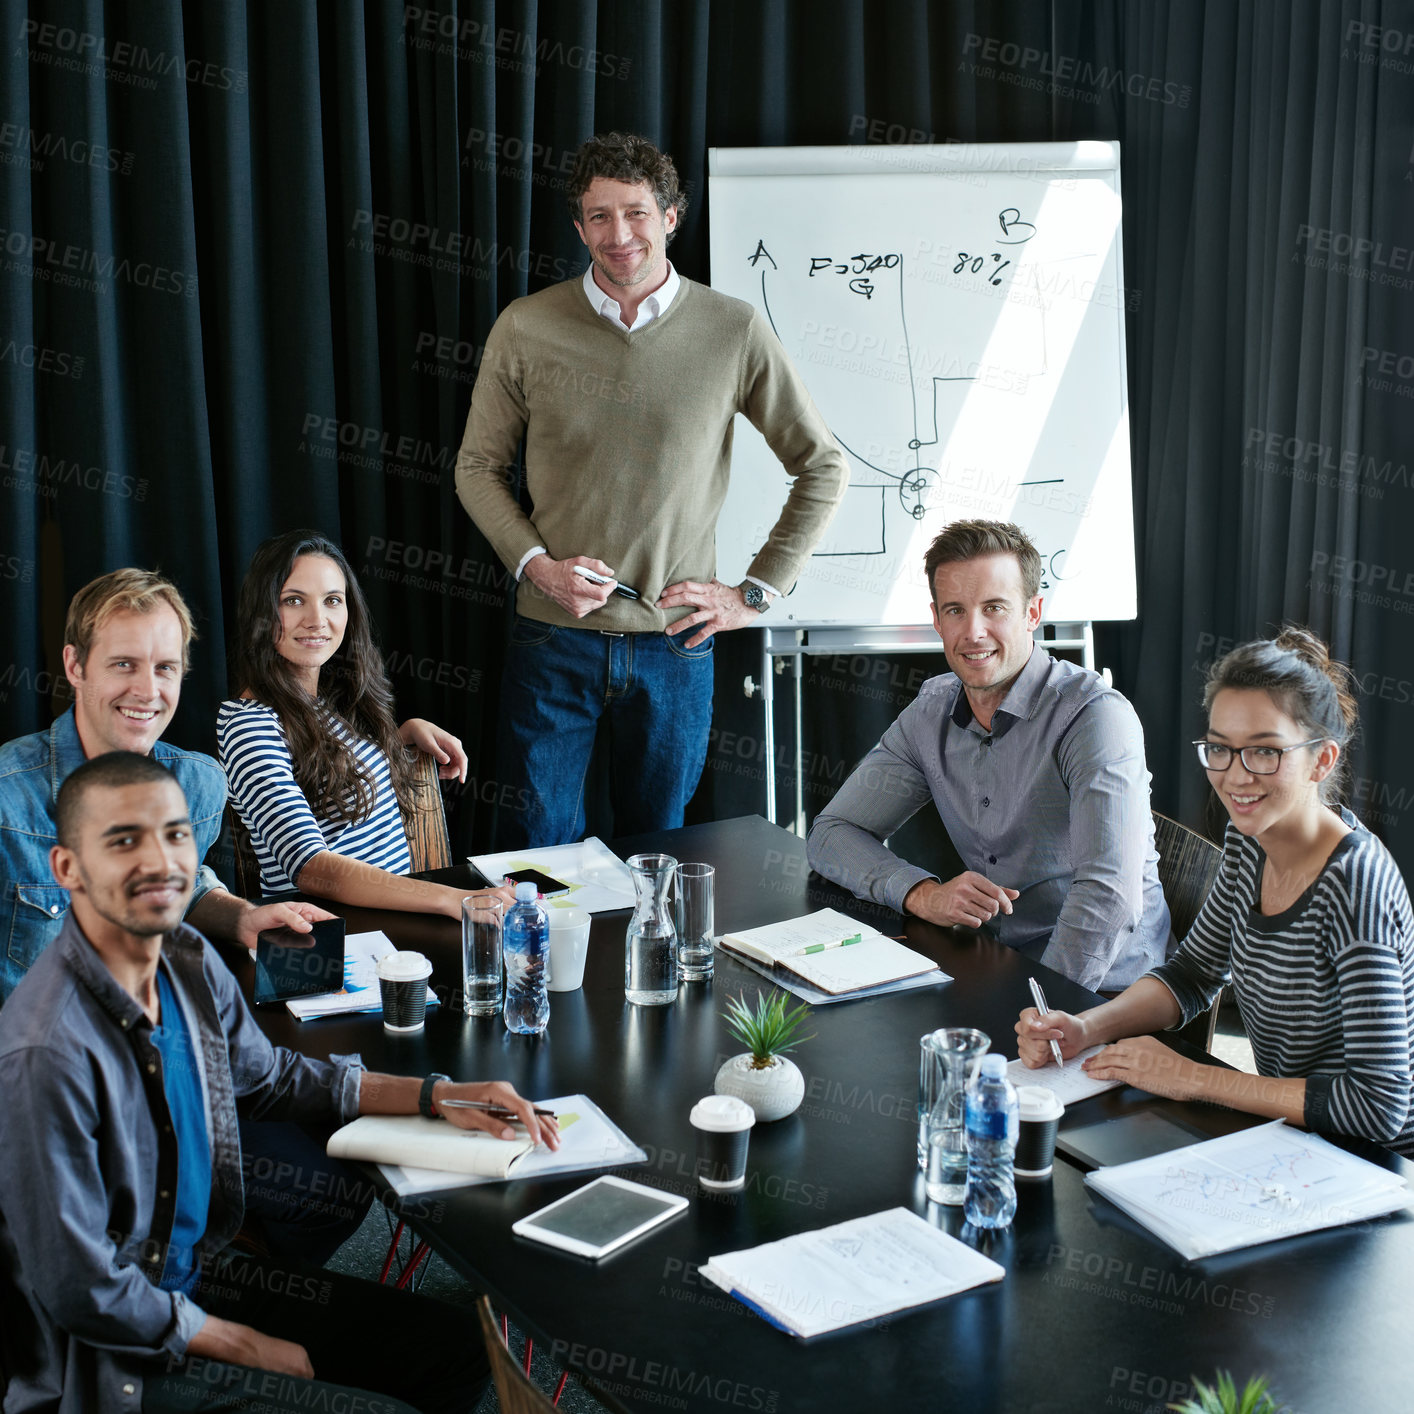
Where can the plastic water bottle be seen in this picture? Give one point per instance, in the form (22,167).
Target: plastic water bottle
(526,948)
(992,1128)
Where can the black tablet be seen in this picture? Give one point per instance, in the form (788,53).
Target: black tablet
(290,964)
(1126,1138)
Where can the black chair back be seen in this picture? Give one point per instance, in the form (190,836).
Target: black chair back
(1188,868)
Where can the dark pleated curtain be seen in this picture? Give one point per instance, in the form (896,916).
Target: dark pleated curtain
(340,199)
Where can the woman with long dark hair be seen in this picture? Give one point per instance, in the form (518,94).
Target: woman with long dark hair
(320,772)
(1309,920)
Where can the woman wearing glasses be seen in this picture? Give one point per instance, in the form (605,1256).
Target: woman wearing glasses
(1309,920)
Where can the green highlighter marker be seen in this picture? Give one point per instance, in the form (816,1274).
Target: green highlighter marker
(825,947)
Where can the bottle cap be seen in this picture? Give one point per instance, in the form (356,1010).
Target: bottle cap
(526,892)
(994,1066)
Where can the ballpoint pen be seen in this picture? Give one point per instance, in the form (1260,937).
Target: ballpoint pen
(498,1111)
(1039,997)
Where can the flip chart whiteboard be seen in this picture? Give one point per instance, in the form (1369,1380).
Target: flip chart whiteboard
(957,313)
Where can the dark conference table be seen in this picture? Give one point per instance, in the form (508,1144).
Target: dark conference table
(1094,1313)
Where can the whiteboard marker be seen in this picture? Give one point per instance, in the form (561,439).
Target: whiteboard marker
(604,579)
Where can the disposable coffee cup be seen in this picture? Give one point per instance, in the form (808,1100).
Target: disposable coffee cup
(402,978)
(723,1124)
(1040,1113)
(569,946)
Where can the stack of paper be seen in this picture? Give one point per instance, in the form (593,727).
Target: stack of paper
(1069,1083)
(862,1270)
(1247,1188)
(833,953)
(599,881)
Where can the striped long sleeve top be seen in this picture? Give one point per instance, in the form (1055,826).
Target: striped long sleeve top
(1325,989)
(283,829)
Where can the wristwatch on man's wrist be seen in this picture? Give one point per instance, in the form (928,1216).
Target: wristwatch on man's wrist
(756,597)
(424,1096)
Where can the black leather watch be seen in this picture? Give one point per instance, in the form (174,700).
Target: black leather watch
(755,596)
(424,1096)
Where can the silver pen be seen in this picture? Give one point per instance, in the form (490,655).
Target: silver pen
(1039,997)
(489,1107)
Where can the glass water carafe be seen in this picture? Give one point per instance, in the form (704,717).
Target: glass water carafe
(954,1053)
(650,946)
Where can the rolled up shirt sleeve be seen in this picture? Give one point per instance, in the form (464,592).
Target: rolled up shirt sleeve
(887,789)
(205,881)
(273,1082)
(1101,760)
(49,1125)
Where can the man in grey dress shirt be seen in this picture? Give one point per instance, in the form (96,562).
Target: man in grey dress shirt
(1037,769)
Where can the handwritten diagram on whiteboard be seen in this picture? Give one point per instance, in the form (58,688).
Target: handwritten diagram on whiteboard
(957,314)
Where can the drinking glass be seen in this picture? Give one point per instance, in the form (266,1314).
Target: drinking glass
(481,955)
(695,920)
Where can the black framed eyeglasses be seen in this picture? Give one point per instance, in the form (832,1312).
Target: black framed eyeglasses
(1259,760)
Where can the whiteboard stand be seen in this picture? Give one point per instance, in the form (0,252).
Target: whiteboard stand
(801,643)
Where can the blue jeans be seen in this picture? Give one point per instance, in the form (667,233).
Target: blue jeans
(657,697)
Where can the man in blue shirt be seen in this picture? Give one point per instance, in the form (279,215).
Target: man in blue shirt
(120,1180)
(127,640)
(1037,770)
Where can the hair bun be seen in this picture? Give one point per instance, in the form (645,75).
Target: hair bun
(1311,649)
(1301,641)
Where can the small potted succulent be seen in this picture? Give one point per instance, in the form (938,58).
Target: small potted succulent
(1223,1398)
(764,1076)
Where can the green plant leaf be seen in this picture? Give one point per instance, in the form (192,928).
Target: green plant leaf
(769,1028)
(1222,1397)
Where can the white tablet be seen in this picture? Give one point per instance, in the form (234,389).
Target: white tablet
(600,1217)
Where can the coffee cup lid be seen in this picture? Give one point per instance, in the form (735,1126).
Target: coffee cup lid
(1036,1103)
(403,967)
(722,1113)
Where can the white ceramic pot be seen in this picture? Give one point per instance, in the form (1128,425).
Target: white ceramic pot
(773,1092)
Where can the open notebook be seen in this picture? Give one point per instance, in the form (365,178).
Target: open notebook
(830,951)
(419,1155)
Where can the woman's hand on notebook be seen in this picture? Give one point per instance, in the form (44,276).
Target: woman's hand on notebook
(1147,1064)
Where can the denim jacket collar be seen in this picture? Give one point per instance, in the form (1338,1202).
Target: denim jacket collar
(65,752)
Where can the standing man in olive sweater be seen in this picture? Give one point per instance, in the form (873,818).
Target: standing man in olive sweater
(624,385)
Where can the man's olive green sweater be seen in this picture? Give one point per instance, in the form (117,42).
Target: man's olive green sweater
(628,442)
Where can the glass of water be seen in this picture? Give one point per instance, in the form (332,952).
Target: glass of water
(696,888)
(481,954)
